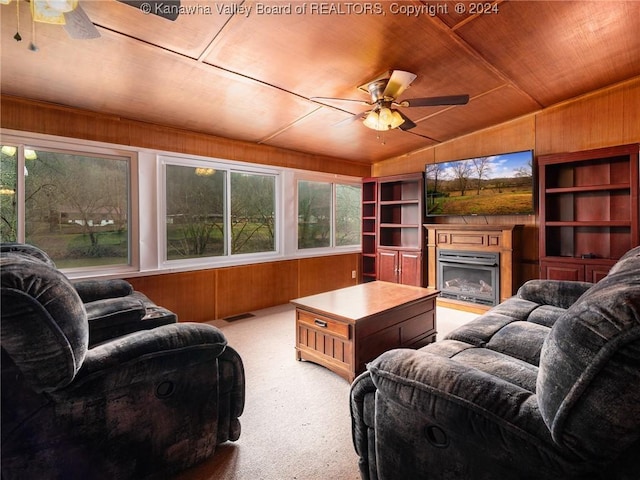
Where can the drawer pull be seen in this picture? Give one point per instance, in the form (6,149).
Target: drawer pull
(320,323)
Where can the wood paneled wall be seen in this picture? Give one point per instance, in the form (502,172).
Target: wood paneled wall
(40,117)
(211,294)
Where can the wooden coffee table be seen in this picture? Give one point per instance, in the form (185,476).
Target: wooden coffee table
(346,328)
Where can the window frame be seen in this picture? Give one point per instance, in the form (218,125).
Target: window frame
(333,180)
(81,149)
(228,258)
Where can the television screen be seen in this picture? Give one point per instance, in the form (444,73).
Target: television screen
(494,185)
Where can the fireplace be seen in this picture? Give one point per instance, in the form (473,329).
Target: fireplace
(469,276)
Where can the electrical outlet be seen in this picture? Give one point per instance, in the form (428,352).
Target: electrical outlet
(353,274)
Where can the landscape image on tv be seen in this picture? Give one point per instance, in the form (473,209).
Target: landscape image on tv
(493,185)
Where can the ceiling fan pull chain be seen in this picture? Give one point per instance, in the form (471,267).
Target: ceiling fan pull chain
(32,46)
(17,37)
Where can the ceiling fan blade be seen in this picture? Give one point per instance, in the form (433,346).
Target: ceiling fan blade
(79,26)
(330,99)
(351,119)
(408,123)
(398,83)
(435,101)
(168,9)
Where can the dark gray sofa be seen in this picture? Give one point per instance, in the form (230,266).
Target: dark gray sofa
(545,385)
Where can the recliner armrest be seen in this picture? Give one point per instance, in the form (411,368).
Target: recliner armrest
(92,290)
(419,380)
(167,338)
(442,418)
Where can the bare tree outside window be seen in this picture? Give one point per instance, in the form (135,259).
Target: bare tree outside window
(314,214)
(317,212)
(199,220)
(252,213)
(348,215)
(77,208)
(8,197)
(195,219)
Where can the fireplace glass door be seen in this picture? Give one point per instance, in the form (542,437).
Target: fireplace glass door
(469,276)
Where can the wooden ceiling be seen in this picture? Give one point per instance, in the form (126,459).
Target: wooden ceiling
(251,76)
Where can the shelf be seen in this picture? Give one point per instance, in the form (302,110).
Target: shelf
(400,202)
(392,222)
(399,225)
(588,211)
(596,224)
(592,188)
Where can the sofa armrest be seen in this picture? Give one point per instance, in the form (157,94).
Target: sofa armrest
(557,293)
(92,290)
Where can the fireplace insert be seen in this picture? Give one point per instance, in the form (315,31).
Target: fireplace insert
(469,276)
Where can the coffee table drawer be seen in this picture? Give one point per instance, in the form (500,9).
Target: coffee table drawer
(324,324)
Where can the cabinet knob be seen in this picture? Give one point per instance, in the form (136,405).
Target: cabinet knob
(320,323)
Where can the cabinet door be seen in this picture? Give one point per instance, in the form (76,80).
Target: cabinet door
(562,271)
(388,266)
(595,273)
(411,268)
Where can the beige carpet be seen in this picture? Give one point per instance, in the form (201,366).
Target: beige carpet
(296,422)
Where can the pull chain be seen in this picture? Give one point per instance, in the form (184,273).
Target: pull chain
(17,37)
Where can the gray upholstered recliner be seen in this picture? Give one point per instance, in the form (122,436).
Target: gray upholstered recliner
(545,385)
(143,405)
(113,307)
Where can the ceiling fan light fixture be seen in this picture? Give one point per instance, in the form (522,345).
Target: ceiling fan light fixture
(396,119)
(42,12)
(372,120)
(63,6)
(383,119)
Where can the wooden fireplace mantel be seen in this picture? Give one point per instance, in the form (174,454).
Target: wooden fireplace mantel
(478,238)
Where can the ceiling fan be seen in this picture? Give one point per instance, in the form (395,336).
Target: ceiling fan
(384,92)
(78,24)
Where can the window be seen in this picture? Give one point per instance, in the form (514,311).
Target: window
(328,214)
(252,213)
(195,212)
(348,214)
(8,195)
(213,211)
(77,207)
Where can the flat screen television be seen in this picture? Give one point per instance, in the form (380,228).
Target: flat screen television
(494,185)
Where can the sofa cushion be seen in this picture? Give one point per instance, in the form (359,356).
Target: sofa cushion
(493,362)
(521,340)
(44,326)
(589,379)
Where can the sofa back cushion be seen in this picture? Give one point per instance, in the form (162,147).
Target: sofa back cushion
(43,322)
(588,384)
